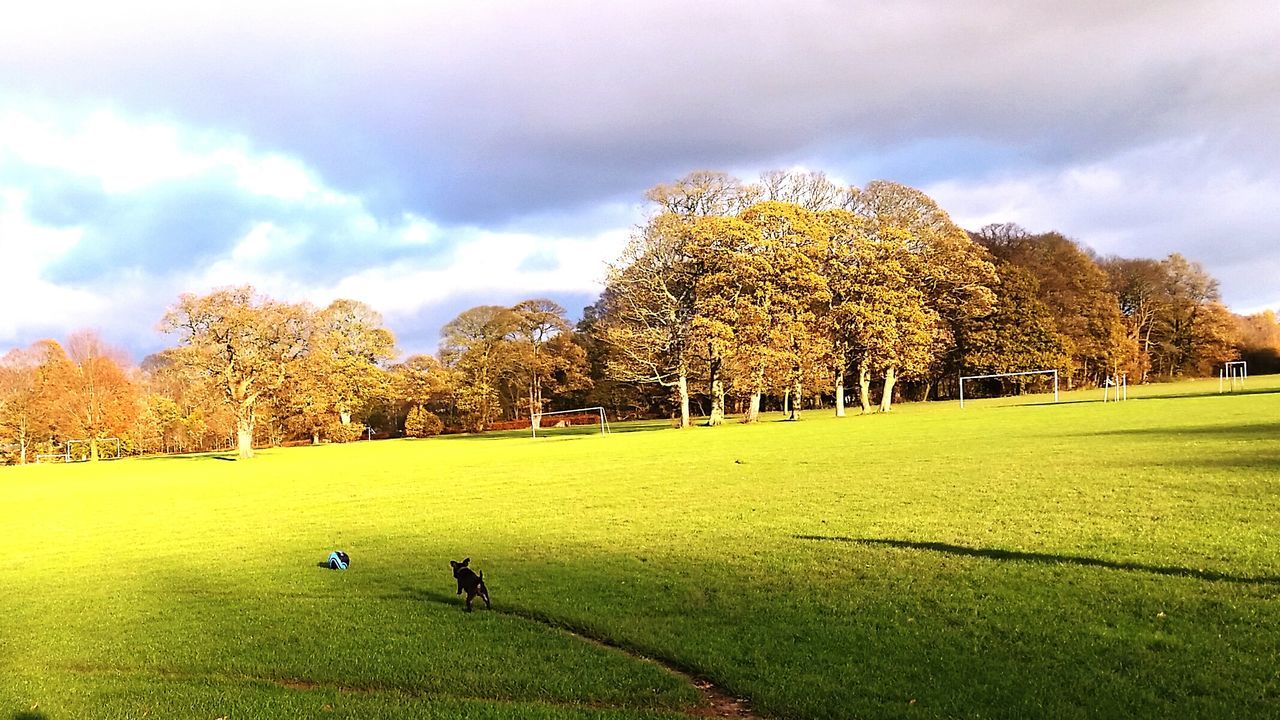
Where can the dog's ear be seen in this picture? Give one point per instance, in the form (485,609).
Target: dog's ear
(465,562)
(454,564)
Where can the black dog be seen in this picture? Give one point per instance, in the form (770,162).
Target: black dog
(471,582)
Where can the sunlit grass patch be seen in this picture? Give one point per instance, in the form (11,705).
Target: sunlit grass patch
(1012,559)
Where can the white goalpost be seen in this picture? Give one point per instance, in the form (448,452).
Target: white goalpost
(1117,387)
(536,420)
(79,451)
(101,456)
(1012,374)
(1232,376)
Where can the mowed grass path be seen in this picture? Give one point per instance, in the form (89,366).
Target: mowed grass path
(1011,560)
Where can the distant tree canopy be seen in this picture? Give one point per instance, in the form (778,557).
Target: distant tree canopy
(786,287)
(787,293)
(782,288)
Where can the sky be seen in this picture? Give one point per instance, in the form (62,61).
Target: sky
(428,157)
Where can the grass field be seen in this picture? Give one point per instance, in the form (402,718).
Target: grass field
(1012,560)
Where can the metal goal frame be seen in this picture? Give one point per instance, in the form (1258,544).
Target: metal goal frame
(1012,374)
(536,419)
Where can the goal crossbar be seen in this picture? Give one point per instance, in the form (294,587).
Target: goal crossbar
(1233,372)
(536,420)
(1010,374)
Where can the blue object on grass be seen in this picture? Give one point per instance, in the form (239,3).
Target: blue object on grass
(339,560)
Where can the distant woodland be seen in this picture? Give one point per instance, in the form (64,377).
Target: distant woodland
(792,293)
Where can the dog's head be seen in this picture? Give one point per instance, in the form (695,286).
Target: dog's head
(457,566)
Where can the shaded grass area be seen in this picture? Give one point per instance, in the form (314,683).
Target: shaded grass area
(1048,559)
(120,695)
(1012,559)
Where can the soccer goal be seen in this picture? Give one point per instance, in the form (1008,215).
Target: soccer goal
(570,418)
(1116,389)
(79,450)
(53,457)
(1012,374)
(1232,376)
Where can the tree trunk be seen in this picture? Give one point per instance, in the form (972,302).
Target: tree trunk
(840,392)
(93,449)
(315,436)
(535,409)
(683,386)
(1146,350)
(717,392)
(753,408)
(244,434)
(886,400)
(795,396)
(864,386)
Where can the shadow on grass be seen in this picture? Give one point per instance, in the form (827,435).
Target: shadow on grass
(1038,403)
(1223,395)
(192,456)
(412,593)
(1134,397)
(552,433)
(715,699)
(1047,559)
(1241,431)
(30,715)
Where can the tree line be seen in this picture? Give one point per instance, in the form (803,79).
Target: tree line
(790,293)
(798,289)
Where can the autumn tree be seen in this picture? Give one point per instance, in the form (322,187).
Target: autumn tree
(622,399)
(954,275)
(1078,294)
(549,361)
(242,344)
(811,190)
(421,423)
(1019,335)
(84,393)
(649,324)
(17,403)
(1259,341)
(1193,331)
(341,369)
(703,194)
(792,241)
(475,344)
(203,417)
(159,424)
(846,243)
(1138,285)
(880,319)
(421,381)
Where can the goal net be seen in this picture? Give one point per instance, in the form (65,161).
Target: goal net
(1054,373)
(579,421)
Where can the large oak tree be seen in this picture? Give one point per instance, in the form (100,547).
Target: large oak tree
(242,344)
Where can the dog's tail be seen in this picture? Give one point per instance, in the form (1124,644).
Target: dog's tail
(481,576)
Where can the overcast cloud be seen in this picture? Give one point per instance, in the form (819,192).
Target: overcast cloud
(423,160)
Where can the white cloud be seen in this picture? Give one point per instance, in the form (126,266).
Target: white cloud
(427,264)
(29,301)
(1147,202)
(1139,128)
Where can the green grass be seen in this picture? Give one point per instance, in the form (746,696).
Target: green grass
(1014,559)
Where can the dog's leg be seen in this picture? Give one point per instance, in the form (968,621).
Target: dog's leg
(484,593)
(459,588)
(470,597)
